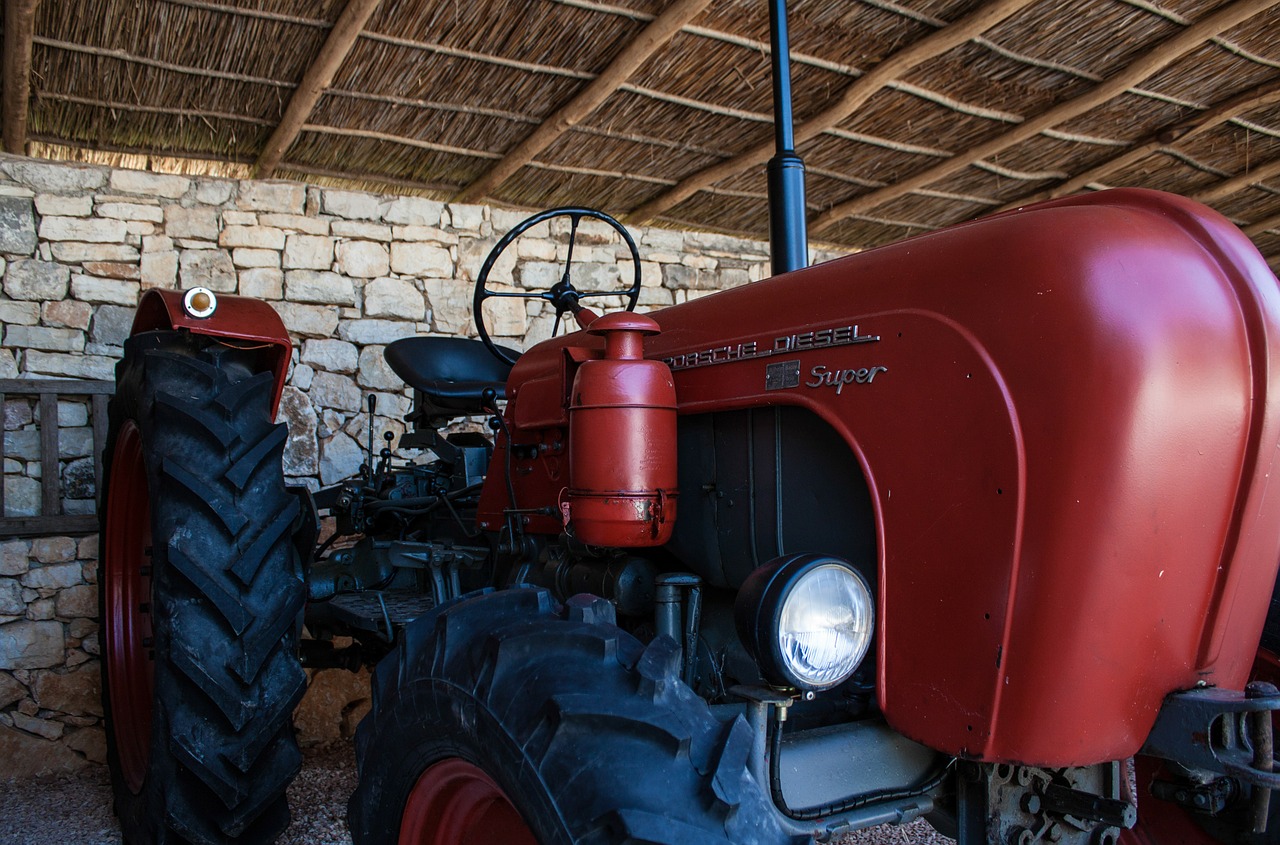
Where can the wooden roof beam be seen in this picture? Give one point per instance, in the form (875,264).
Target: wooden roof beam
(661,30)
(1183,130)
(19,26)
(1154,60)
(314,82)
(1227,187)
(1255,229)
(858,92)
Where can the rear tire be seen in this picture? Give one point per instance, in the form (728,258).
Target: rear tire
(200,593)
(500,706)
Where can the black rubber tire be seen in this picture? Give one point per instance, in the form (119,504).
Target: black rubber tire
(227,591)
(592,736)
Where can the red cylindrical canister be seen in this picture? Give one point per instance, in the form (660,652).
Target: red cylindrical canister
(622,441)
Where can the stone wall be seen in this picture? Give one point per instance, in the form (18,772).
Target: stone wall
(347,271)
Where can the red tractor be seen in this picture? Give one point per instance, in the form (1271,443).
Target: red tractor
(977,527)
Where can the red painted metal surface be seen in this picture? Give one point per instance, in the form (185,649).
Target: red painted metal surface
(126,630)
(1066,420)
(622,441)
(456,802)
(249,322)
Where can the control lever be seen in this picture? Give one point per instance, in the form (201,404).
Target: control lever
(373,404)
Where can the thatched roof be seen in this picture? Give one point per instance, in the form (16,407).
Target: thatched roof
(911,114)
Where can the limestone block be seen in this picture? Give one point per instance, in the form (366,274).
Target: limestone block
(210,268)
(75,366)
(31,645)
(136,229)
(17,414)
(538,275)
(336,356)
(537,249)
(78,601)
(10,690)
(329,390)
(87,549)
(262,283)
(360,230)
(421,259)
(40,337)
(331,695)
(8,364)
(40,609)
(212,192)
(362,259)
(472,253)
(82,229)
(29,756)
(255,237)
(352,205)
(149,184)
(11,603)
(246,257)
(20,313)
(17,226)
(505,317)
(150,213)
(89,741)
(55,576)
(78,480)
(239,218)
(111,325)
(374,372)
(199,222)
(21,496)
(77,692)
(308,320)
(94,289)
(286,197)
(52,205)
(425,233)
(296,223)
(321,287)
(466,218)
(113,270)
(308,252)
(22,445)
(387,297)
(450,306)
(366,331)
(159,269)
(413,211)
(55,178)
(30,279)
(505,221)
(15,557)
(302,376)
(46,728)
(301,450)
(340,458)
(74,253)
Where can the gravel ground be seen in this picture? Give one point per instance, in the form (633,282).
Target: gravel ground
(77,810)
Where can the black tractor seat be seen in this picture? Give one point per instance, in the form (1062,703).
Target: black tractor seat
(449,375)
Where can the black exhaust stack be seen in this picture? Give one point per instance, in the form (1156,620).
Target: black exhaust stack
(788,236)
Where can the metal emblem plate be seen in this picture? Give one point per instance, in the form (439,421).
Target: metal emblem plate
(782,375)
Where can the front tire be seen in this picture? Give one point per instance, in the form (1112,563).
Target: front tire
(200,595)
(502,718)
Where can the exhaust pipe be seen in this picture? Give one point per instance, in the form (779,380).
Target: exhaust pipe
(788,235)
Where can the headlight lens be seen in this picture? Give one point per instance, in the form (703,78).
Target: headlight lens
(825,626)
(807,619)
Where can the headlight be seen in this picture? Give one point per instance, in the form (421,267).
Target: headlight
(807,619)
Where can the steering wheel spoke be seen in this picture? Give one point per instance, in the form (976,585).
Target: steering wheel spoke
(563,296)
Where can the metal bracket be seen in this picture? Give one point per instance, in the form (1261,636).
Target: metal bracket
(1207,729)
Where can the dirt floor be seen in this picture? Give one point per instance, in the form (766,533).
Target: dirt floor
(77,810)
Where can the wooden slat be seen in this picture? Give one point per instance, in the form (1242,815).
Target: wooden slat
(50,501)
(98,409)
(314,82)
(69,386)
(46,526)
(648,42)
(19,26)
(1227,187)
(1154,60)
(851,100)
(1261,226)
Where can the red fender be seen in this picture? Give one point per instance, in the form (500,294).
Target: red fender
(251,321)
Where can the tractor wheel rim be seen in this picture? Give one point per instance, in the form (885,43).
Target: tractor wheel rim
(455,803)
(127,593)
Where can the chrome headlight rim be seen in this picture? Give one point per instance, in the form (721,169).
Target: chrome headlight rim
(762,602)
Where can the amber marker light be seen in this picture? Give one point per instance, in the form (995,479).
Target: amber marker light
(200,303)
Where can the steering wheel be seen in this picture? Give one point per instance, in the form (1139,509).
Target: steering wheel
(563,296)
